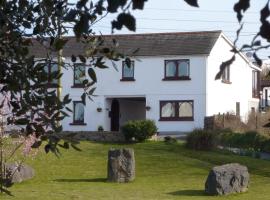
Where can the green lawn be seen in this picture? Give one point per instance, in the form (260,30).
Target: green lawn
(162,172)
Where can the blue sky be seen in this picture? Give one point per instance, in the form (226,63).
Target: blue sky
(177,16)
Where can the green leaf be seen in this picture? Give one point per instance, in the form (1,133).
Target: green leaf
(193,3)
(47,148)
(241,5)
(127,20)
(71,15)
(22,121)
(92,74)
(91,92)
(82,58)
(82,26)
(65,145)
(83,97)
(66,99)
(75,147)
(113,6)
(26,24)
(73,58)
(257,59)
(36,144)
(81,3)
(138,4)
(128,62)
(59,44)
(68,109)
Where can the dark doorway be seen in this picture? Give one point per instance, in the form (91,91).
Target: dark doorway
(115,115)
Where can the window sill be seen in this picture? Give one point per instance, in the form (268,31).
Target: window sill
(226,81)
(127,79)
(77,86)
(78,124)
(176,79)
(177,119)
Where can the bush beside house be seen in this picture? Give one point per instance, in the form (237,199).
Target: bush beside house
(139,130)
(200,139)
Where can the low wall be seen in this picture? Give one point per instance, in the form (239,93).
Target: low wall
(102,136)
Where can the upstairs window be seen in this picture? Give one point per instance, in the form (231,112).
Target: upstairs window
(177,70)
(78,113)
(255,84)
(127,71)
(226,75)
(79,75)
(181,110)
(51,72)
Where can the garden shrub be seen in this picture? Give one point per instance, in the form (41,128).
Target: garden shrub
(170,140)
(200,139)
(139,130)
(248,140)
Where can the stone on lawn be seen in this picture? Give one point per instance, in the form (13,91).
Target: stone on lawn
(17,174)
(227,179)
(121,165)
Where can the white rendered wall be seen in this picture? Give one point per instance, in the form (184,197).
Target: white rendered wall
(221,97)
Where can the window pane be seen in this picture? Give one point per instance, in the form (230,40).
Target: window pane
(54,69)
(79,74)
(128,72)
(170,69)
(183,68)
(226,74)
(168,110)
(185,109)
(78,112)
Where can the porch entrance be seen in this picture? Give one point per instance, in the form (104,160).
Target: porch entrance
(123,109)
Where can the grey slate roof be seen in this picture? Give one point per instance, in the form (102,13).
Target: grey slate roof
(150,44)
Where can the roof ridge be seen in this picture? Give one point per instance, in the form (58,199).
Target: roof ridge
(160,33)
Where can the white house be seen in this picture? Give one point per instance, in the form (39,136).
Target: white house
(171,81)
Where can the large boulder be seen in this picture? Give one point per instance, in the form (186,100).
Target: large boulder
(121,165)
(227,179)
(17,173)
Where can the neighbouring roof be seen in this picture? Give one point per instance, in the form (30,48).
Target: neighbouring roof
(149,44)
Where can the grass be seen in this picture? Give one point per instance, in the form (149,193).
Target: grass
(162,172)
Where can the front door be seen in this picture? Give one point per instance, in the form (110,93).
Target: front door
(115,115)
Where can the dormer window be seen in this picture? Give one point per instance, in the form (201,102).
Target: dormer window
(177,70)
(255,84)
(127,71)
(79,75)
(226,75)
(51,72)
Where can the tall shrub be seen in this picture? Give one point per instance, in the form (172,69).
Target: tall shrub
(200,139)
(139,130)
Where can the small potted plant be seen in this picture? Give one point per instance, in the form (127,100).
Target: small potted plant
(100,128)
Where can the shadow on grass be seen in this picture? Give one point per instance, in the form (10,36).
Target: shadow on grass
(188,193)
(82,180)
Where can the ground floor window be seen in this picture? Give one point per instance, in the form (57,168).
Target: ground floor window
(176,110)
(78,112)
